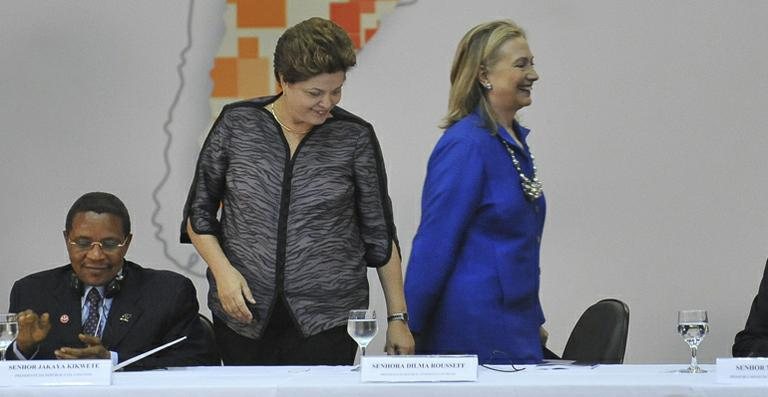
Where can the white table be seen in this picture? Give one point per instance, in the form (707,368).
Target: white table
(603,380)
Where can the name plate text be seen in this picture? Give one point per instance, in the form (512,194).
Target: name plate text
(448,368)
(742,370)
(55,372)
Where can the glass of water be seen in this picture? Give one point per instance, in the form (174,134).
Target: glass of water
(693,326)
(361,326)
(9,328)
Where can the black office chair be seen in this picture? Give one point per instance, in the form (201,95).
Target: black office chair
(600,335)
(210,336)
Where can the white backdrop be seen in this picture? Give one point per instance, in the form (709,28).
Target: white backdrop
(647,127)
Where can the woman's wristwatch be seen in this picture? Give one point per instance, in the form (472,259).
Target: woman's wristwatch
(402,316)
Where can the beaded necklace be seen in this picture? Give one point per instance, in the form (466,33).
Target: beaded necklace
(532,187)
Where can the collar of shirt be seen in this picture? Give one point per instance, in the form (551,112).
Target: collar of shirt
(522,133)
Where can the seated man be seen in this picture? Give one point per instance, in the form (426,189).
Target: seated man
(753,340)
(101,306)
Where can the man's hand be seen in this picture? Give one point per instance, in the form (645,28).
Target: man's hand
(93,350)
(33,329)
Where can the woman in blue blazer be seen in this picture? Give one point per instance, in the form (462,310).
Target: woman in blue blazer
(472,284)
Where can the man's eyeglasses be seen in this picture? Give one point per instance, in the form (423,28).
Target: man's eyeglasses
(107,245)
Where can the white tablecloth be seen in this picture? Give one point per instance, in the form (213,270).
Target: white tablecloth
(603,380)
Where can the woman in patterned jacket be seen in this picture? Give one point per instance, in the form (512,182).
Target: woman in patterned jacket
(304,210)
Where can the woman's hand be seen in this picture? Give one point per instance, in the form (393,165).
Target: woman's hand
(233,292)
(399,339)
(232,288)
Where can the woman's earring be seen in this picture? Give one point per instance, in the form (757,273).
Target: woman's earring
(487,85)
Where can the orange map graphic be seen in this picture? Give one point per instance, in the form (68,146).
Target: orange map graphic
(243,66)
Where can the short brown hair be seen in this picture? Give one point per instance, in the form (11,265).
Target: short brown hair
(313,47)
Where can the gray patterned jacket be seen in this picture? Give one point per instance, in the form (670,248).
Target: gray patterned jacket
(305,228)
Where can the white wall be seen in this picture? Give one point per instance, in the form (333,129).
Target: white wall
(647,127)
(91,99)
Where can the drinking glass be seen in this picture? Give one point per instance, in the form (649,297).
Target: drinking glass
(9,328)
(693,326)
(361,326)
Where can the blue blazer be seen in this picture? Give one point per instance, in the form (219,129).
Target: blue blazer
(472,283)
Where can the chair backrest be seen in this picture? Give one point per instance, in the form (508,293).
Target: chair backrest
(600,335)
(210,336)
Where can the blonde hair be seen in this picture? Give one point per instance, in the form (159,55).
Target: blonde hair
(479,48)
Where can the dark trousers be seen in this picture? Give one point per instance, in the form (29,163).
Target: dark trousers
(283,344)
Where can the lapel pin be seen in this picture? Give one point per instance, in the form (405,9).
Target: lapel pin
(126,317)
(64,319)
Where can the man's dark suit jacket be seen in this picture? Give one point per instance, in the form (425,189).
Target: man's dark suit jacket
(153,307)
(753,340)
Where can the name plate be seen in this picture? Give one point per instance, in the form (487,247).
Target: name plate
(742,370)
(448,368)
(55,372)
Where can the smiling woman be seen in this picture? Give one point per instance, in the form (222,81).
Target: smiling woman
(304,211)
(508,80)
(473,277)
(306,104)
